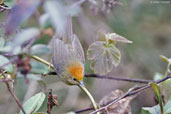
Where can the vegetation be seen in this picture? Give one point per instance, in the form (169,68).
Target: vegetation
(123,42)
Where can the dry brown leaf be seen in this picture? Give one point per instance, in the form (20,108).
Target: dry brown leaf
(121,107)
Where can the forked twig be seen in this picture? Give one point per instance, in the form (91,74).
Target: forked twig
(130,93)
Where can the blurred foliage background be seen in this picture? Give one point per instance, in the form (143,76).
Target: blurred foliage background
(145,23)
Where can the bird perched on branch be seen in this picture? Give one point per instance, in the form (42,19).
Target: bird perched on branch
(68,56)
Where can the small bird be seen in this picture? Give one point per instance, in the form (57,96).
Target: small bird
(68,56)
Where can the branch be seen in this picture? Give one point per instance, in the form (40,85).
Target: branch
(109,78)
(118,78)
(84,110)
(13,95)
(41,60)
(130,93)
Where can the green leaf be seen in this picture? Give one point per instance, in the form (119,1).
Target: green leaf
(37,67)
(9,3)
(103,56)
(167,107)
(34,103)
(20,86)
(158,76)
(151,110)
(40,49)
(158,95)
(164,59)
(25,36)
(165,87)
(4,61)
(20,13)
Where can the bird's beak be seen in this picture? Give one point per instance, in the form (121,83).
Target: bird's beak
(81,83)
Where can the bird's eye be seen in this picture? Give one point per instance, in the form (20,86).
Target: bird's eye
(74,79)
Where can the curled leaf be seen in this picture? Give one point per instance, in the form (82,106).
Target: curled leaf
(164,59)
(156,89)
(52,101)
(117,38)
(103,57)
(122,107)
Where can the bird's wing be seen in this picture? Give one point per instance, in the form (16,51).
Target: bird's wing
(78,50)
(59,55)
(68,33)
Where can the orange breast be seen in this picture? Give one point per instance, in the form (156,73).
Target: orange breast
(77,71)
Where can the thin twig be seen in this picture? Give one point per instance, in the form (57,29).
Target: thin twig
(130,93)
(13,95)
(118,78)
(41,60)
(111,78)
(84,110)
